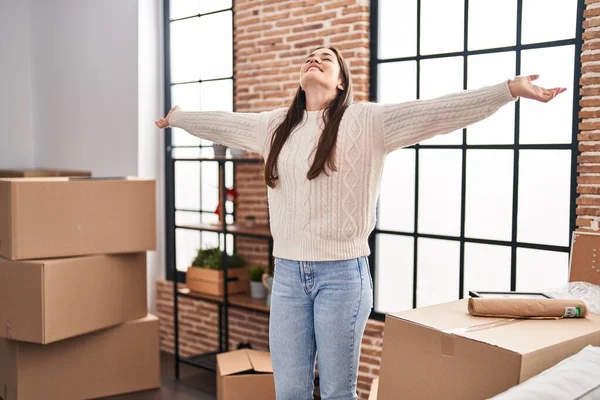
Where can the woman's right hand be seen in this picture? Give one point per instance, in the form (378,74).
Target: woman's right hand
(164,122)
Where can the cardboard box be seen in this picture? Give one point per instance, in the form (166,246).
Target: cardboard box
(374,389)
(442,352)
(44,301)
(60,217)
(41,172)
(210,281)
(583,264)
(113,361)
(245,375)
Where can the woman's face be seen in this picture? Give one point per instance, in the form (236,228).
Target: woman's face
(321,68)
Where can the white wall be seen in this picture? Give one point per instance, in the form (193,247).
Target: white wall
(85,56)
(16,125)
(69,98)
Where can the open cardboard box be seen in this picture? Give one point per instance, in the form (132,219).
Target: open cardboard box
(61,217)
(245,375)
(442,352)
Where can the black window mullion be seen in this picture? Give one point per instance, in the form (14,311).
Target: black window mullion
(416,220)
(463,192)
(515,199)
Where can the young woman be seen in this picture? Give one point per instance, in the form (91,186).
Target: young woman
(324,160)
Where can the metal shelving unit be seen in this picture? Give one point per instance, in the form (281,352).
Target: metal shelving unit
(240,301)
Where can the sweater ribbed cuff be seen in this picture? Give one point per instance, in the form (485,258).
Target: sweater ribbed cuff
(317,249)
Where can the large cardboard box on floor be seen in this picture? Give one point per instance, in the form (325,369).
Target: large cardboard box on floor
(442,352)
(41,172)
(43,301)
(60,217)
(112,361)
(245,375)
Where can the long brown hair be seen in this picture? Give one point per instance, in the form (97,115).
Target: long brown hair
(332,116)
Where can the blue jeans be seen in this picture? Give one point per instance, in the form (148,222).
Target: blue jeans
(318,309)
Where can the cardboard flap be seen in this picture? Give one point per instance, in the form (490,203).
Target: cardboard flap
(261,361)
(584,264)
(233,362)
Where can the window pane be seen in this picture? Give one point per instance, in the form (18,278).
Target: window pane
(216,96)
(440,77)
(442,26)
(187,218)
(187,185)
(485,70)
(539,270)
(487,267)
(397,195)
(499,31)
(207,6)
(397,28)
(397,82)
(546,20)
(210,218)
(488,210)
(186,57)
(394,273)
(548,122)
(187,8)
(438,271)
(440,191)
(187,245)
(214,45)
(544,196)
(188,98)
(210,184)
(184,8)
(193,152)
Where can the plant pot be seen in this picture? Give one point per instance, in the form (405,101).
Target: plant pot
(257,290)
(210,281)
(219,150)
(237,152)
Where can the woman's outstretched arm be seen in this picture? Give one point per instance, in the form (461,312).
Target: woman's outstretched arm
(232,129)
(408,123)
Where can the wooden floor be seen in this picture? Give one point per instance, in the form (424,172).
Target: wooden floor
(194,384)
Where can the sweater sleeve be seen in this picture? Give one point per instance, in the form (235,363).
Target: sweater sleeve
(411,122)
(232,129)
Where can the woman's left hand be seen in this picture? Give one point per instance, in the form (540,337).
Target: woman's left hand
(521,86)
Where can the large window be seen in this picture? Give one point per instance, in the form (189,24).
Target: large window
(490,207)
(199,64)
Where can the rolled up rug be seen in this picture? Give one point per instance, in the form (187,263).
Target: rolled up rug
(527,308)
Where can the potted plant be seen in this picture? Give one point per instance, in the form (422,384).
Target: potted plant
(257,290)
(219,150)
(205,275)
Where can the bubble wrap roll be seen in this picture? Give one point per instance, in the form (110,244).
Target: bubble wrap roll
(527,308)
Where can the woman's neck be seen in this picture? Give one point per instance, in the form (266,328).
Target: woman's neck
(318,99)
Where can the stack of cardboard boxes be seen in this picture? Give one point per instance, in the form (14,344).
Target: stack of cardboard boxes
(73,297)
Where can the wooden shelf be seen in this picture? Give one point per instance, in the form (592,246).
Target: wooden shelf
(241,300)
(262,231)
(241,159)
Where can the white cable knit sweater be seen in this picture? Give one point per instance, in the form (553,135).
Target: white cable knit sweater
(331,217)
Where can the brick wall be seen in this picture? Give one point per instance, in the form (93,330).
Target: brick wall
(588,181)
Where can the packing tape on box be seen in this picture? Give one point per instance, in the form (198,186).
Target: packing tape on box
(447,345)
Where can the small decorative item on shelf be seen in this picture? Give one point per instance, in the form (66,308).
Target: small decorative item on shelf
(250,221)
(237,152)
(219,150)
(231,196)
(257,290)
(267,281)
(206,273)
